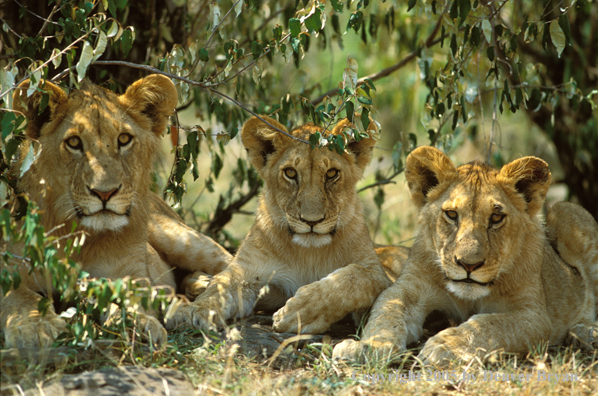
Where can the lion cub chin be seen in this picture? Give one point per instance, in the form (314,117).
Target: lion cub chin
(483,258)
(94,169)
(309,250)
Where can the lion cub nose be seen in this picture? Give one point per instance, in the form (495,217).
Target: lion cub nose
(104,196)
(312,223)
(470,267)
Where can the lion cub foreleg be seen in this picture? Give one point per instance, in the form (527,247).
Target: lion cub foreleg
(229,294)
(396,320)
(23,325)
(316,306)
(482,334)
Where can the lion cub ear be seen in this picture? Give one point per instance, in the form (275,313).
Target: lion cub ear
(427,168)
(530,177)
(261,140)
(29,106)
(155,97)
(363,148)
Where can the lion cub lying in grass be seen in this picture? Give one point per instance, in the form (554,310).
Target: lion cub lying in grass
(309,244)
(483,258)
(94,169)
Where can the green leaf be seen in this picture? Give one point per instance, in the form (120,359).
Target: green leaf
(203,55)
(487,29)
(411,4)
(7,122)
(314,139)
(295,27)
(121,4)
(455,119)
(490,53)
(499,29)
(558,37)
(277,31)
(101,47)
(564,24)
(314,22)
(217,165)
(365,118)
(126,42)
(295,43)
(364,100)
(337,5)
(370,83)
(454,12)
(336,25)
(86,58)
(534,100)
(454,47)
(256,49)
(439,109)
(464,7)
(546,39)
(349,110)
(339,145)
(113,30)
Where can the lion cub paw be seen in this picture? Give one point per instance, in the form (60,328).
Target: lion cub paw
(152,330)
(445,348)
(583,336)
(304,310)
(34,333)
(362,351)
(350,350)
(195,315)
(195,284)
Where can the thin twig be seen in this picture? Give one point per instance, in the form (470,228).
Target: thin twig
(9,28)
(57,55)
(389,70)
(210,38)
(255,115)
(34,14)
(388,180)
(49,18)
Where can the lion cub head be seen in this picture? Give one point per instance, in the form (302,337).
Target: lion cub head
(96,148)
(476,218)
(308,192)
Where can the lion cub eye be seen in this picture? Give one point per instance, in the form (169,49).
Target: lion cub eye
(331,174)
(124,139)
(451,214)
(496,218)
(75,143)
(290,173)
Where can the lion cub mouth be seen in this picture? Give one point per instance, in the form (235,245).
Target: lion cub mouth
(469,280)
(311,239)
(104,220)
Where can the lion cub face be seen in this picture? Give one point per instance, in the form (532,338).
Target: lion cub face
(101,146)
(472,213)
(310,190)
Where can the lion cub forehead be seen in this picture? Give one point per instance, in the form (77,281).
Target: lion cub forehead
(303,156)
(483,197)
(99,118)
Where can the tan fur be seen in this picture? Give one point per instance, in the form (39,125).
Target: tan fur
(134,232)
(536,284)
(309,244)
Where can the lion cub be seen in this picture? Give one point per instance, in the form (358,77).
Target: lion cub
(483,258)
(94,169)
(309,250)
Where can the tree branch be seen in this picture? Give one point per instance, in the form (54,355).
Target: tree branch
(223,216)
(430,41)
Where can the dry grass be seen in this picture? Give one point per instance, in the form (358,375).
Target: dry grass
(219,368)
